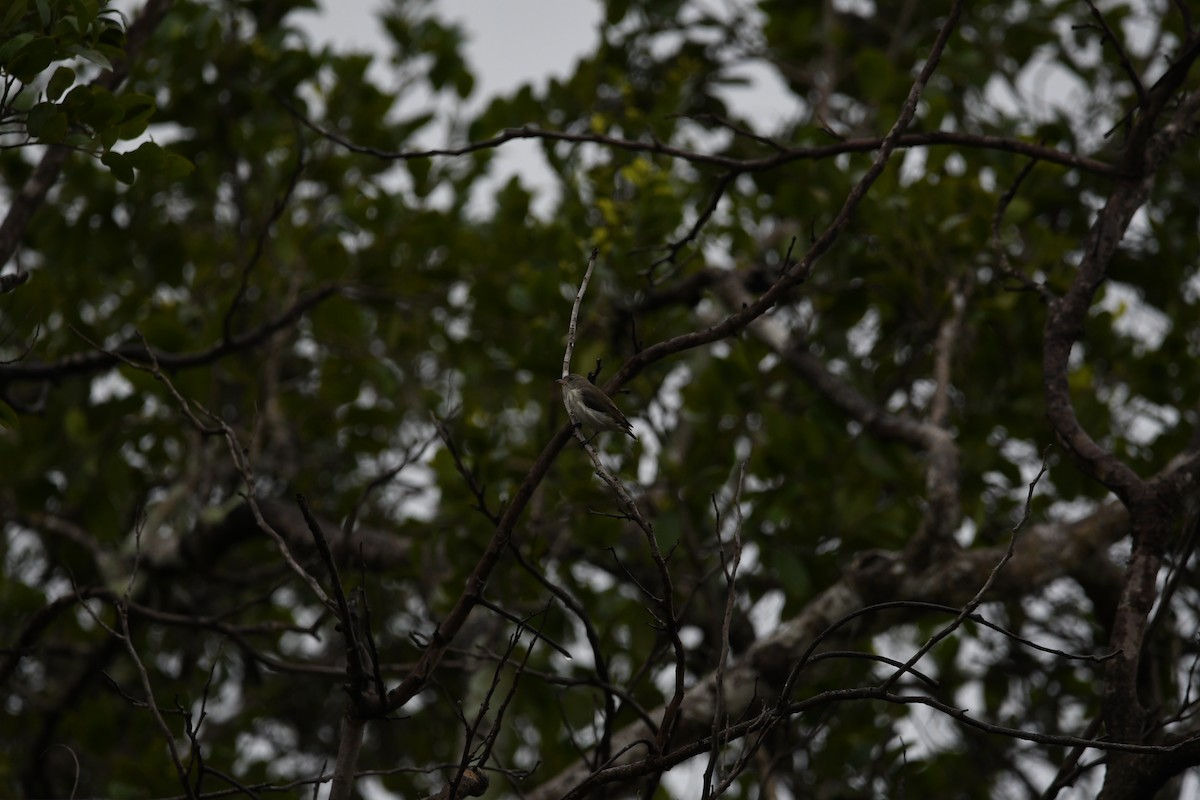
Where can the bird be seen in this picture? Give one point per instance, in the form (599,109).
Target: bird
(590,406)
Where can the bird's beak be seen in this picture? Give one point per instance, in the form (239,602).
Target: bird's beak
(562,381)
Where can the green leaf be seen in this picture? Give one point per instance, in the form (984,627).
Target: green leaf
(14,45)
(33,58)
(148,155)
(419,170)
(176,166)
(100,109)
(79,140)
(15,11)
(86,11)
(135,103)
(132,129)
(137,111)
(60,81)
(92,55)
(75,425)
(119,165)
(8,417)
(46,123)
(66,28)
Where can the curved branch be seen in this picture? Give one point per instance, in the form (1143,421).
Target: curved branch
(729,163)
(1147,151)
(96,361)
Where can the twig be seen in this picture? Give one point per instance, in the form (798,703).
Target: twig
(1126,64)
(137,355)
(572,327)
(473,486)
(973,604)
(729,566)
(260,241)
(745,133)
(702,219)
(1005,268)
(599,659)
(349,622)
(127,640)
(523,621)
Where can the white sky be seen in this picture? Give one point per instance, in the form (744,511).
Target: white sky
(510,41)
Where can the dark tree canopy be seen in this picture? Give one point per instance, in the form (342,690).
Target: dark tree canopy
(290,498)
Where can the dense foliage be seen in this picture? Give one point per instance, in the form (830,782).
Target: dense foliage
(285,469)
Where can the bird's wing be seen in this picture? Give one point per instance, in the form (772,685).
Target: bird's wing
(598,402)
(605,405)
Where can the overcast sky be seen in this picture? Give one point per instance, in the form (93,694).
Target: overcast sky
(509,41)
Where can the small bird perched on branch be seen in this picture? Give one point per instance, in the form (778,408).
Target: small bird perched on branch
(592,407)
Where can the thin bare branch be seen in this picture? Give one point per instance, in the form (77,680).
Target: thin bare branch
(139,354)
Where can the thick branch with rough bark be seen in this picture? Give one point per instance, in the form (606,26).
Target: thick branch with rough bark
(1149,147)
(92,361)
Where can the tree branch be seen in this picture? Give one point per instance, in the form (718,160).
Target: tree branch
(137,353)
